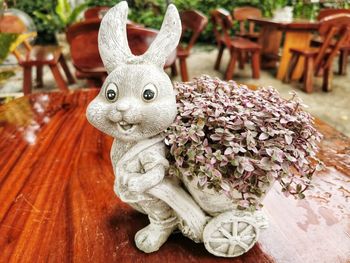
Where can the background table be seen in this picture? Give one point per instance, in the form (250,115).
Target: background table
(58,205)
(298,35)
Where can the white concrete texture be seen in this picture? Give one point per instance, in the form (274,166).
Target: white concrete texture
(135,104)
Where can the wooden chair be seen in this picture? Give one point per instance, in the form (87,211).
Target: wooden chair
(35,56)
(96,12)
(237,46)
(331,11)
(345,49)
(83,40)
(194,22)
(140,38)
(241,14)
(335,30)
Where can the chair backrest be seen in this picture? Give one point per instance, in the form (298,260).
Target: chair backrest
(241,14)
(83,40)
(194,21)
(96,12)
(222,24)
(140,38)
(335,30)
(331,11)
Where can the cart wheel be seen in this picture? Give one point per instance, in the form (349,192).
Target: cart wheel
(231,234)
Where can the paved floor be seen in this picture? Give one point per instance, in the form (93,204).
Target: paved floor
(332,107)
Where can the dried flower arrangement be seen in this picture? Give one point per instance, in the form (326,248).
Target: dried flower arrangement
(234,139)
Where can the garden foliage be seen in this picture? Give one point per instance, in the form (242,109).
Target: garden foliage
(150,12)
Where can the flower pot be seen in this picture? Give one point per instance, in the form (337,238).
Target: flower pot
(213,202)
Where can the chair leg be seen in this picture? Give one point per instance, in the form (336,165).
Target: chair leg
(291,67)
(343,59)
(58,77)
(256,64)
(218,59)
(174,69)
(66,70)
(231,65)
(301,80)
(183,69)
(327,79)
(241,59)
(39,76)
(308,75)
(27,80)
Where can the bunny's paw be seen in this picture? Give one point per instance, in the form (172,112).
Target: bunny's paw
(135,184)
(152,237)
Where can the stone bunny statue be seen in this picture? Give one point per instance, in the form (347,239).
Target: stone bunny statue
(135,105)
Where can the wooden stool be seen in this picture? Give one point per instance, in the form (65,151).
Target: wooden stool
(35,56)
(40,56)
(240,47)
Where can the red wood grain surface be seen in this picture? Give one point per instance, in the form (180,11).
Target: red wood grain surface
(58,205)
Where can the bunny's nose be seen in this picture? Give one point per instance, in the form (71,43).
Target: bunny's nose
(123,105)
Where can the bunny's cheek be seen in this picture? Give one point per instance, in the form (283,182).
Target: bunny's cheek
(114,116)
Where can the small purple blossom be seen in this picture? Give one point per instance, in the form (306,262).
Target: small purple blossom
(236,139)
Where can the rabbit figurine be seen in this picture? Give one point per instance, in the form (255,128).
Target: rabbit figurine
(136,103)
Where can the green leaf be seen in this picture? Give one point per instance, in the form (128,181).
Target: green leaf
(44,17)
(191,154)
(76,12)
(63,10)
(299,187)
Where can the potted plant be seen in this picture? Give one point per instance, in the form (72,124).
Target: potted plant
(63,17)
(227,144)
(231,141)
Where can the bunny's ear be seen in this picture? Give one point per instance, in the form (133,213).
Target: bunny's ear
(167,39)
(112,38)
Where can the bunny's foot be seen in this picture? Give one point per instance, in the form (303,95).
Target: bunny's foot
(153,236)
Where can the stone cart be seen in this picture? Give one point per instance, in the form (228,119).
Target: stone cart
(211,217)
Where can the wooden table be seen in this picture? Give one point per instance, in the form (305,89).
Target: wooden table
(58,205)
(298,35)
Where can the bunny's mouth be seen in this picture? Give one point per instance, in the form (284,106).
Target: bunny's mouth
(125,126)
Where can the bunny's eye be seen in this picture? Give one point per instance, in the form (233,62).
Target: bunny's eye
(112,92)
(149,92)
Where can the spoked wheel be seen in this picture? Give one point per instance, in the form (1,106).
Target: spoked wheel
(231,234)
